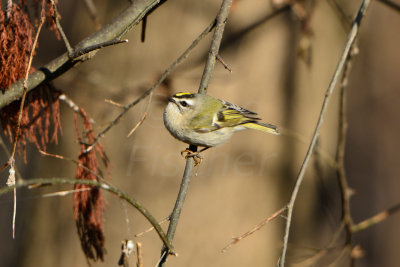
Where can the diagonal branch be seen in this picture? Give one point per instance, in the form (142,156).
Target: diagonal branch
(381,216)
(165,74)
(112,31)
(391,4)
(105,186)
(60,29)
(187,174)
(342,61)
(256,228)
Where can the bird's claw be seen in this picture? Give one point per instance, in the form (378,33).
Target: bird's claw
(195,155)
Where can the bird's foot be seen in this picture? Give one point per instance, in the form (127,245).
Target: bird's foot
(195,155)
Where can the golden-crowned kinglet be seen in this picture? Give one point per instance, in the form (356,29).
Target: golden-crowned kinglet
(202,120)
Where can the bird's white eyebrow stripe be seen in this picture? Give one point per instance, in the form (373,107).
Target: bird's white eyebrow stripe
(189,101)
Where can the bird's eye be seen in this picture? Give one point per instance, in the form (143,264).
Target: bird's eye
(184,103)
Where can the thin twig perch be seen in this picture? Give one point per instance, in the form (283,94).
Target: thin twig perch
(187,174)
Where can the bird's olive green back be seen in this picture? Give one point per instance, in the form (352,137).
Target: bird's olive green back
(227,115)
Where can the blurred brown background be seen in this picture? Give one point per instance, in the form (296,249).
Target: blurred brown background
(280,70)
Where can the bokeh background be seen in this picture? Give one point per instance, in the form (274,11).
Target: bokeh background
(281,66)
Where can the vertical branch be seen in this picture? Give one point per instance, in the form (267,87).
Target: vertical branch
(11,179)
(187,174)
(139,255)
(342,61)
(215,44)
(42,19)
(340,150)
(60,29)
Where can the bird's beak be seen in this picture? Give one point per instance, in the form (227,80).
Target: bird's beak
(170,99)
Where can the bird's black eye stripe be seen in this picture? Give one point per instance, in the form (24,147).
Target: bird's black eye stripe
(183,103)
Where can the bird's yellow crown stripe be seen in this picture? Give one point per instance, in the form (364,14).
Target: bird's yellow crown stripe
(181,95)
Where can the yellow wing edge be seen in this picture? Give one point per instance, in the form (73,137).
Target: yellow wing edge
(268,128)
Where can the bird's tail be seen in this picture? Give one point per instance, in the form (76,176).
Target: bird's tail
(265,127)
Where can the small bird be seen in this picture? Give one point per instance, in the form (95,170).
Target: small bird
(202,120)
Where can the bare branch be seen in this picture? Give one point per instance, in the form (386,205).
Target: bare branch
(79,53)
(143,117)
(187,174)
(60,29)
(345,191)
(350,40)
(112,102)
(25,84)
(44,153)
(219,58)
(381,216)
(110,32)
(105,186)
(139,254)
(126,108)
(166,219)
(258,227)
(144,26)
(11,178)
(391,4)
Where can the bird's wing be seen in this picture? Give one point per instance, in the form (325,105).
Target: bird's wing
(231,115)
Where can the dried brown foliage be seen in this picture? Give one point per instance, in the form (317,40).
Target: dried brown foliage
(16,40)
(42,109)
(42,104)
(88,204)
